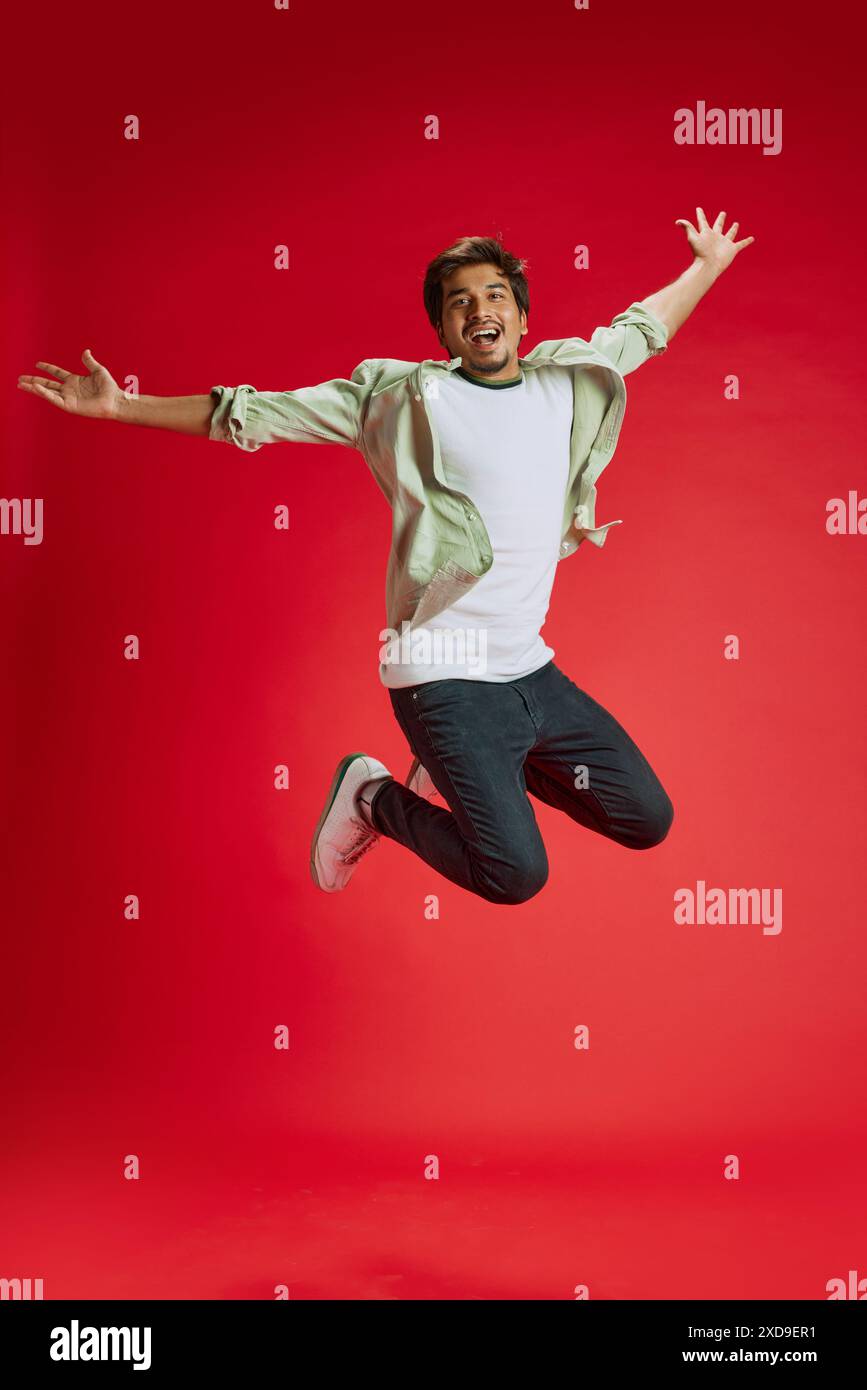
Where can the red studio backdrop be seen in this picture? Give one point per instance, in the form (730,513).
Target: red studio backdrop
(559,1166)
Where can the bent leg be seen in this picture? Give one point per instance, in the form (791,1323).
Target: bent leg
(585,764)
(473,738)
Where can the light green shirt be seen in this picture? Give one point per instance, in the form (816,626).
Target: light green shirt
(440,546)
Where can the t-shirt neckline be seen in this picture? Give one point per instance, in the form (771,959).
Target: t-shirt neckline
(489,385)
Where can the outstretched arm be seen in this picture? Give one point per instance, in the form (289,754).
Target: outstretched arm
(97,396)
(330,413)
(714,252)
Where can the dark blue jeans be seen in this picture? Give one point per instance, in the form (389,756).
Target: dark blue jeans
(486,744)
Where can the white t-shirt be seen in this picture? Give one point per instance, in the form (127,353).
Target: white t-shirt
(507,448)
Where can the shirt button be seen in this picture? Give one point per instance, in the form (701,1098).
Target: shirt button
(418,398)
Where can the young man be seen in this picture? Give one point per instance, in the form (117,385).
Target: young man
(489,462)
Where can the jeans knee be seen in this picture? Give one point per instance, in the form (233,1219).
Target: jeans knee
(655,824)
(521,889)
(517,881)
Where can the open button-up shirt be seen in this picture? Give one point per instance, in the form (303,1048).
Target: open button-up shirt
(440,546)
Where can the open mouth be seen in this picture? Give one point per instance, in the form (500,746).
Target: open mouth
(484,338)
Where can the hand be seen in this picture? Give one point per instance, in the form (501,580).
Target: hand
(709,243)
(97,396)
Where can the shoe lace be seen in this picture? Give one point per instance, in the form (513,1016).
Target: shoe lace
(363,840)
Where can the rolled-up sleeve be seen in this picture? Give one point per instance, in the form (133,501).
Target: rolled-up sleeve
(633,337)
(331,413)
(229,419)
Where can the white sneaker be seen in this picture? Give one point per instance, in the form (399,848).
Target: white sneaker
(419,780)
(342,835)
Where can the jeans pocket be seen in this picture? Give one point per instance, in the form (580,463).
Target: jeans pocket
(425,696)
(403,710)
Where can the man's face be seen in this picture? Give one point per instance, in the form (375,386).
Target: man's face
(478,297)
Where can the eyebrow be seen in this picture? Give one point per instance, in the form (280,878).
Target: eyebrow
(497,285)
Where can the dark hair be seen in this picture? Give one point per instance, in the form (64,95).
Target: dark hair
(473,250)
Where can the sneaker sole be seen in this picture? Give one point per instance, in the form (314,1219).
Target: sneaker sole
(333,790)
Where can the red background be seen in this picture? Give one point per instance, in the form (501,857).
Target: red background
(412,1037)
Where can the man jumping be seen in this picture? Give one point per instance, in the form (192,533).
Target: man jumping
(489,462)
